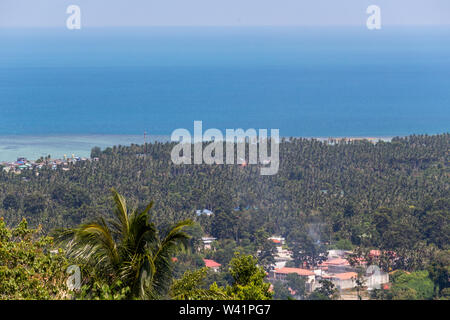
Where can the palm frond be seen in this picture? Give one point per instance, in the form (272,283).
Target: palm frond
(127,249)
(91,243)
(120,222)
(164,253)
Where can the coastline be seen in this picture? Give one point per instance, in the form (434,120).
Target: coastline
(34,147)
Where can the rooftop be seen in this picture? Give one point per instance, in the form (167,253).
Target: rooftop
(211,263)
(345,275)
(299,271)
(335,262)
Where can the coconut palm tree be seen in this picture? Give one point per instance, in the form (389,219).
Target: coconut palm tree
(127,248)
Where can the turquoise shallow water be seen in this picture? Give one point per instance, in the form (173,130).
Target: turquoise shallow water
(34,147)
(304,81)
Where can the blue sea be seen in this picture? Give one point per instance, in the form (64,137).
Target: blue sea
(310,82)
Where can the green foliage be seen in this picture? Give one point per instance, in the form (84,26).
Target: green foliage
(297,284)
(294,287)
(359,281)
(326,291)
(247,283)
(11,201)
(223,251)
(248,279)
(71,197)
(266,249)
(445,294)
(343,244)
(439,270)
(412,286)
(306,251)
(27,268)
(100,290)
(191,287)
(224,225)
(281,291)
(389,196)
(34,204)
(126,250)
(195,233)
(408,175)
(403,293)
(186,260)
(96,152)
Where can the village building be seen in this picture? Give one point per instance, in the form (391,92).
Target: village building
(281,257)
(336,268)
(336,265)
(215,266)
(281,275)
(342,281)
(207,241)
(203,212)
(278,240)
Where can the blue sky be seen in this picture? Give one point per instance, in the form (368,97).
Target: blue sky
(97,13)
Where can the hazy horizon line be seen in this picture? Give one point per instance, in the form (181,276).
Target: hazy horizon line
(147,134)
(362,26)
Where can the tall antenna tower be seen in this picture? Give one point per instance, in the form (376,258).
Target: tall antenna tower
(145,143)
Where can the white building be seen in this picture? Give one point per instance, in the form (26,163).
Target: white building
(207,242)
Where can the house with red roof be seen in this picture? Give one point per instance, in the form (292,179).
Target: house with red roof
(279,241)
(215,266)
(281,275)
(374,253)
(336,265)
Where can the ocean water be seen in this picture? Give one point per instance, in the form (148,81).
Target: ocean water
(312,82)
(34,147)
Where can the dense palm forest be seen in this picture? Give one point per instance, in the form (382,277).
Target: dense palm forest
(385,195)
(340,186)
